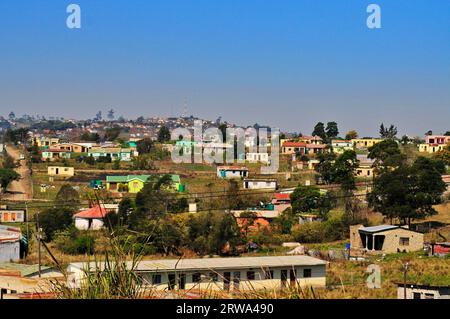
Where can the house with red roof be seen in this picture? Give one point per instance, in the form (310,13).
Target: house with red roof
(91,219)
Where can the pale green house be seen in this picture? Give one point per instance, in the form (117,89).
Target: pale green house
(134,183)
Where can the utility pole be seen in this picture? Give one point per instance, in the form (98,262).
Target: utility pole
(405,270)
(26,216)
(39,243)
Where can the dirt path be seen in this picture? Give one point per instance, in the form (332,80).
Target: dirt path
(21,189)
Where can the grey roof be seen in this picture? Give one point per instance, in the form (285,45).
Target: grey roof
(219,263)
(376,229)
(25,270)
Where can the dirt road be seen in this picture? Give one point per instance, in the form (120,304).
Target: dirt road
(21,189)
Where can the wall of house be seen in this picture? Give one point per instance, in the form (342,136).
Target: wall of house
(9,251)
(60,171)
(317,279)
(260,185)
(81,223)
(233,174)
(135,186)
(443,293)
(392,240)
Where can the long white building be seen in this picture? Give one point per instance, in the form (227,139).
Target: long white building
(234,273)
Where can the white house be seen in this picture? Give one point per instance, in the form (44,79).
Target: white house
(259,183)
(232,273)
(257,157)
(92,218)
(9,243)
(232,171)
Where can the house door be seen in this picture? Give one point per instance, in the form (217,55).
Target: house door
(284,275)
(293,277)
(226,281)
(236,280)
(172,281)
(182,281)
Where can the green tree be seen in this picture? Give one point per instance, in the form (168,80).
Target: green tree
(54,219)
(408,192)
(325,166)
(112,133)
(234,201)
(144,146)
(343,170)
(387,155)
(388,133)
(163,134)
(7,175)
(352,134)
(226,236)
(68,198)
(319,130)
(332,130)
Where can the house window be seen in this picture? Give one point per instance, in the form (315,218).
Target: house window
(213,276)
(429,296)
(196,277)
(250,275)
(307,273)
(404,241)
(156,279)
(269,274)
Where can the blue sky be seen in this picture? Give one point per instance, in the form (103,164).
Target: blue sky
(285,63)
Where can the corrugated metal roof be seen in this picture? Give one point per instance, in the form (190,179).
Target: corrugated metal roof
(375,229)
(25,270)
(218,263)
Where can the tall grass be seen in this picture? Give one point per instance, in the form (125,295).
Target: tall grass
(115,277)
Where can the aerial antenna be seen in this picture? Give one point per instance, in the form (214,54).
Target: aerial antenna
(185,109)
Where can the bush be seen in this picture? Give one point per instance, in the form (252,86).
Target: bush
(317,232)
(73,242)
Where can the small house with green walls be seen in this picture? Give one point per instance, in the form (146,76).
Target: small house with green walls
(134,183)
(115,153)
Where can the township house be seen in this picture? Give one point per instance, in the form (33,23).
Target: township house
(339,146)
(365,168)
(92,218)
(384,239)
(21,281)
(46,141)
(115,153)
(55,154)
(257,157)
(134,183)
(61,171)
(260,183)
(255,220)
(12,216)
(73,147)
(364,143)
(232,172)
(224,274)
(302,148)
(10,238)
(417,291)
(434,143)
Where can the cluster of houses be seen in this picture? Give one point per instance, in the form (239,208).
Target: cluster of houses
(434,143)
(53,149)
